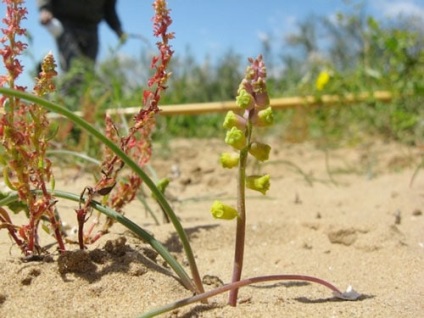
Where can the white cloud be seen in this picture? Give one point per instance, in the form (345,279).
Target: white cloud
(263,36)
(280,22)
(395,8)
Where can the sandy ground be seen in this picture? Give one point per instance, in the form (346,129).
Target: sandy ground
(352,219)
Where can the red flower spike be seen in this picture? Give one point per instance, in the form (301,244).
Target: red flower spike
(24,137)
(137,143)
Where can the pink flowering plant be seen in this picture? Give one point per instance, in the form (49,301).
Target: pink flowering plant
(25,135)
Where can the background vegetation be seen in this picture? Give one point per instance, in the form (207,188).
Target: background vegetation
(357,52)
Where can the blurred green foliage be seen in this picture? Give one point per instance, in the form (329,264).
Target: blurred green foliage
(355,52)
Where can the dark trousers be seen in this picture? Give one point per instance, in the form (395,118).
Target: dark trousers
(77,42)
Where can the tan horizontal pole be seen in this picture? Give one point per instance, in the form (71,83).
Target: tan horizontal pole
(276,103)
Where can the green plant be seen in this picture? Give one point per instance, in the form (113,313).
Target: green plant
(242,135)
(24,133)
(254,103)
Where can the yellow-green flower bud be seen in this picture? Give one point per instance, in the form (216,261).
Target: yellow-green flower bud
(235,138)
(244,99)
(258,183)
(229,160)
(161,185)
(263,118)
(234,120)
(249,73)
(222,211)
(260,151)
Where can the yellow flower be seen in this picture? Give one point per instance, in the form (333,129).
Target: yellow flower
(322,80)
(234,120)
(222,211)
(235,138)
(263,118)
(258,183)
(229,160)
(244,99)
(260,151)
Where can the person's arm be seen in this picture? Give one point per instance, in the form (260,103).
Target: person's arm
(45,8)
(112,19)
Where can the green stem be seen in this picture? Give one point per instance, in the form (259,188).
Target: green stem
(148,208)
(74,153)
(97,162)
(129,162)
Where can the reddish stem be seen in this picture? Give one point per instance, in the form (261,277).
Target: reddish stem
(241,223)
(81,213)
(57,233)
(12,231)
(233,286)
(32,234)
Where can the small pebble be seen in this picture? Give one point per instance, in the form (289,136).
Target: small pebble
(417,212)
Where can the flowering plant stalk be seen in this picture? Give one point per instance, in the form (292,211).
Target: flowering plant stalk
(255,112)
(138,140)
(136,143)
(140,147)
(24,136)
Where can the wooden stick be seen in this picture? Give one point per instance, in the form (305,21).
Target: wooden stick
(276,103)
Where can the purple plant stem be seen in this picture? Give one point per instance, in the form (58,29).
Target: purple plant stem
(241,227)
(261,279)
(235,285)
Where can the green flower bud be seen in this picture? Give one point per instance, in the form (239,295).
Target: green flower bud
(229,160)
(258,183)
(263,118)
(260,151)
(234,120)
(235,138)
(244,99)
(161,185)
(222,211)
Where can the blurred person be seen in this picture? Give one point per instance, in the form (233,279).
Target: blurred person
(74,24)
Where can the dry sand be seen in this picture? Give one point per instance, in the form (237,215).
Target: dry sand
(353,220)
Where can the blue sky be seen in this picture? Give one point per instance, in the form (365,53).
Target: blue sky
(211,27)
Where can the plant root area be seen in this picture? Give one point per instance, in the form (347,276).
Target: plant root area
(350,215)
